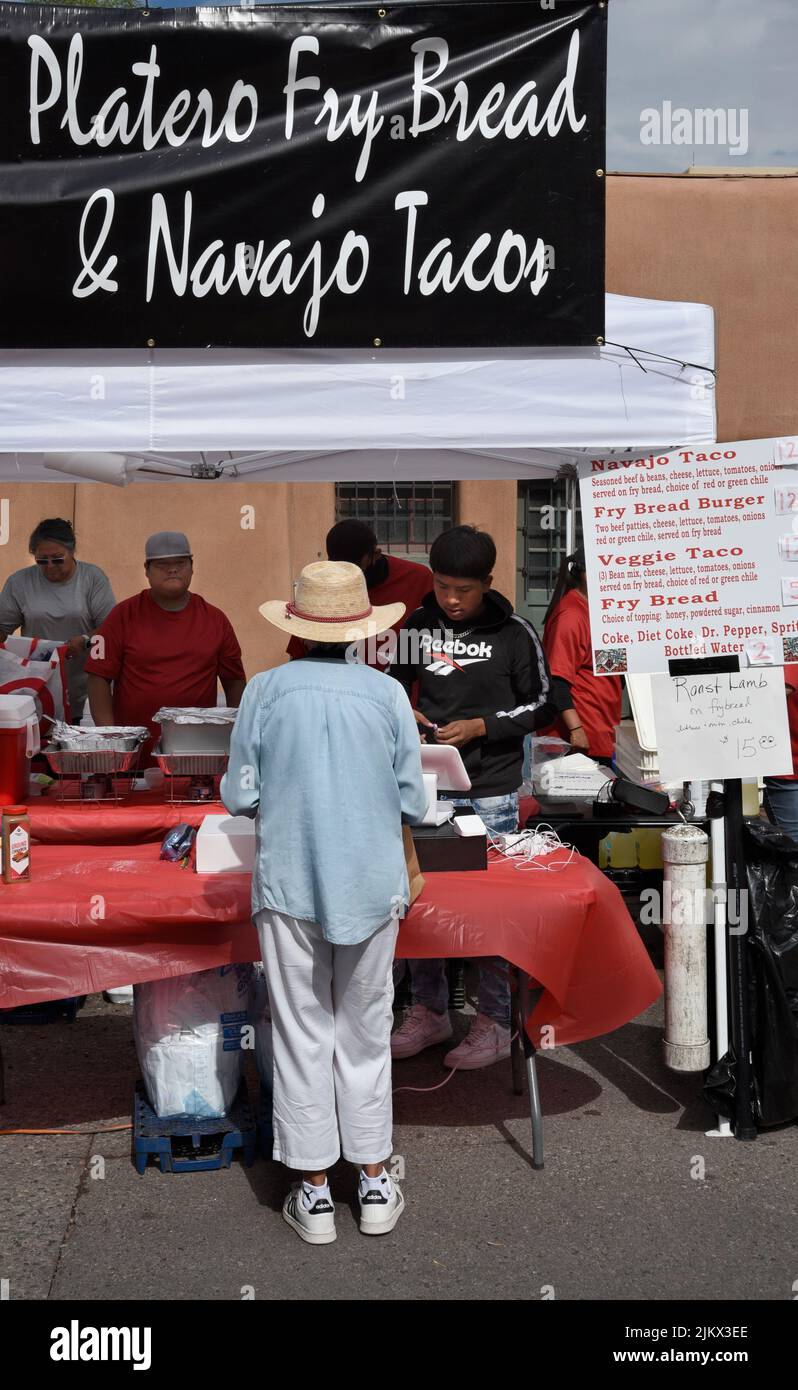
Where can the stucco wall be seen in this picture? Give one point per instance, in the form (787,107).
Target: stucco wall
(728,242)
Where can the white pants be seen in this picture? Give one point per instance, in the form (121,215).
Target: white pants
(332,1011)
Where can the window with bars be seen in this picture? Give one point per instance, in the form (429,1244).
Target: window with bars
(406,517)
(542,508)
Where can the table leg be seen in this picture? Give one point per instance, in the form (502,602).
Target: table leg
(524,1008)
(516,1033)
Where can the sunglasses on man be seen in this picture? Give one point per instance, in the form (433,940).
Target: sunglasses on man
(51,560)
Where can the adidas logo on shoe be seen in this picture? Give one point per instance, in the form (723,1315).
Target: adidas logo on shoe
(315,1224)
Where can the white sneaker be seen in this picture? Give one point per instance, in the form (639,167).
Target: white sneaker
(379,1211)
(422,1028)
(122,994)
(484,1043)
(314,1224)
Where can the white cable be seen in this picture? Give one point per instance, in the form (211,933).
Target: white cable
(527,846)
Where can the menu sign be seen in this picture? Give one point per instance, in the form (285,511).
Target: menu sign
(693,554)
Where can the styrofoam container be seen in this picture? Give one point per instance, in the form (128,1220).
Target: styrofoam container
(226,845)
(195,738)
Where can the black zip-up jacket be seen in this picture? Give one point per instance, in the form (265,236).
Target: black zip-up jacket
(492,668)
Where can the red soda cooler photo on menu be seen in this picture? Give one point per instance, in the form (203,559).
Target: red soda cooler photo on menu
(19,740)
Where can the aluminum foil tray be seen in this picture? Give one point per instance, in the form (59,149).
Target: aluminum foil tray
(191,764)
(111,761)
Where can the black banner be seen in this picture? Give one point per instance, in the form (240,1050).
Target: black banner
(416,176)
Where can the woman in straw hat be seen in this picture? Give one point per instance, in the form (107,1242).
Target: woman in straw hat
(325,754)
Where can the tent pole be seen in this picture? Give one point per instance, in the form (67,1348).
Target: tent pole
(719,895)
(744,1126)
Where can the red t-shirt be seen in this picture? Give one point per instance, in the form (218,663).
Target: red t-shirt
(155,657)
(407,583)
(597,699)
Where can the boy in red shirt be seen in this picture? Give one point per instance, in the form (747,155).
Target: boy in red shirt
(163,646)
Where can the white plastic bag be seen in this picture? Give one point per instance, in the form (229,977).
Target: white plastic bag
(36,666)
(188,1032)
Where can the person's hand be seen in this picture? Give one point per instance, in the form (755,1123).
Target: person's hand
(423,723)
(461,732)
(75,646)
(578,740)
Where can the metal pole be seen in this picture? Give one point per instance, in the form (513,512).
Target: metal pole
(684,856)
(719,891)
(744,1126)
(536,1114)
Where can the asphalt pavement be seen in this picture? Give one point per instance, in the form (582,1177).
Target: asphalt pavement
(636,1200)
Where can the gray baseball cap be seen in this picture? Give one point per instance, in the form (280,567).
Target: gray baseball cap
(167,545)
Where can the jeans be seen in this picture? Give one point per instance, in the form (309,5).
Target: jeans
(781,803)
(428,977)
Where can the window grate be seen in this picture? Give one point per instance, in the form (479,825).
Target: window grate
(405,517)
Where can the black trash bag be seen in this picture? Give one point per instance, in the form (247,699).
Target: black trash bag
(720,1086)
(772,947)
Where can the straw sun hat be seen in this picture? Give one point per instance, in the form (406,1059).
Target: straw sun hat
(331,604)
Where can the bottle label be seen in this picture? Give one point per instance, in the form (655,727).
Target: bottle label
(19,851)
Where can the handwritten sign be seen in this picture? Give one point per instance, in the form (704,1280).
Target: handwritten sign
(722,726)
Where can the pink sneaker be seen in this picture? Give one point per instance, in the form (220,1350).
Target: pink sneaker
(484,1043)
(422,1028)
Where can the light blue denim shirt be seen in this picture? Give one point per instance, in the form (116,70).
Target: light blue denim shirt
(326,756)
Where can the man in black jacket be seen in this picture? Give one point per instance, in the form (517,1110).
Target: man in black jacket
(483,685)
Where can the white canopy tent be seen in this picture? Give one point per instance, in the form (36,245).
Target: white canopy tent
(315,415)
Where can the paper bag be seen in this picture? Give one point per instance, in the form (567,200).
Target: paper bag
(414,874)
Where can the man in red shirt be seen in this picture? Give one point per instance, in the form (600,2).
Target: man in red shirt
(388,579)
(164,646)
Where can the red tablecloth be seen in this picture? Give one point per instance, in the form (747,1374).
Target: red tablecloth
(116,915)
(141,818)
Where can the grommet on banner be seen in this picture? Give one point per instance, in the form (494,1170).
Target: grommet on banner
(599,173)
(150,342)
(381,14)
(378,342)
(600,341)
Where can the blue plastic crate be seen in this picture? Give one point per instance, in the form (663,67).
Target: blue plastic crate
(48,1011)
(186,1144)
(265,1125)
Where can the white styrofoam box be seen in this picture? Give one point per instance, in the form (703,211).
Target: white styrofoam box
(211,736)
(226,845)
(626,742)
(642,704)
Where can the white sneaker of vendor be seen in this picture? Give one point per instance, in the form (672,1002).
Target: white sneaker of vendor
(484,1043)
(422,1028)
